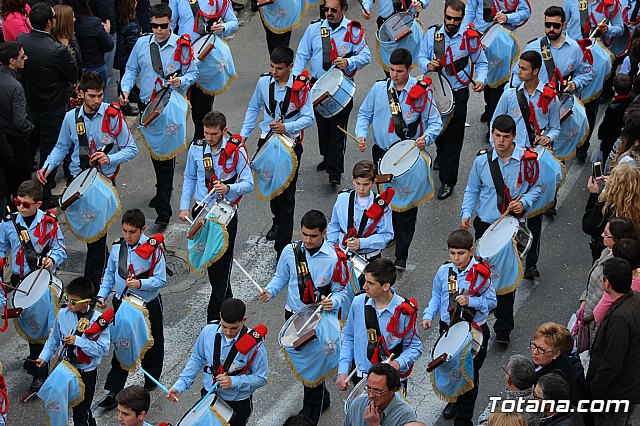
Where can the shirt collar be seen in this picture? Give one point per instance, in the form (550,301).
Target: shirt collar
(407,87)
(36,220)
(456,34)
(539,87)
(515,155)
(222,145)
(171,41)
(469,266)
(343,23)
(143,239)
(325,248)
(391,307)
(100,111)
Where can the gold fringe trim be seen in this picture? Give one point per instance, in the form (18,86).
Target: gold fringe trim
(289,28)
(513,61)
(467,378)
(285,185)
(424,199)
(307,383)
(597,94)
(113,218)
(572,154)
(513,286)
(132,368)
(217,415)
(564,177)
(384,66)
(221,253)
(219,91)
(80,398)
(56,308)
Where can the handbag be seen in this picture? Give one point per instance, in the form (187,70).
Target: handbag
(581,333)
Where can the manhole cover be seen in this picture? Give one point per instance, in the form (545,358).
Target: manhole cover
(179,269)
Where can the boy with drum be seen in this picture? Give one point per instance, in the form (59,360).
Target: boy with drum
(136,266)
(462,286)
(43,247)
(502,180)
(234,359)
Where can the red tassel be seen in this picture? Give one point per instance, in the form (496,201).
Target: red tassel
(587,55)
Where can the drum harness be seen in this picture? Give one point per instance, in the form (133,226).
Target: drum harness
(231,150)
(441,53)
(397,124)
(529,162)
(330,50)
(27,251)
(306,287)
(587,20)
(529,114)
(218,368)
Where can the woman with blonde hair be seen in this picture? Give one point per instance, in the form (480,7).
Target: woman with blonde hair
(547,350)
(63,32)
(507,419)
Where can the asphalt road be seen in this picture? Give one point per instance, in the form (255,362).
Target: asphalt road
(564,260)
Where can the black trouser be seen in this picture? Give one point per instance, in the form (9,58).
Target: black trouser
(283,206)
(332,141)
(591,108)
(201,104)
(82,415)
(220,275)
(467,401)
(504,310)
(449,143)
(314,398)
(45,136)
(274,40)
(164,186)
(241,409)
(153,359)
(535,226)
(20,170)
(491,98)
(96,261)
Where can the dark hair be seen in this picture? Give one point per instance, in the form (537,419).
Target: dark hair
(30,188)
(364,169)
(215,119)
(233,310)
(81,8)
(80,287)
(504,123)
(631,131)
(126,11)
(553,11)
(391,374)
(554,387)
(40,14)
(160,10)
(344,4)
(533,57)
(282,55)
(383,270)
(314,219)
(10,6)
(455,5)
(618,272)
(9,50)
(91,80)
(629,250)
(135,398)
(299,420)
(622,227)
(401,56)
(622,84)
(135,218)
(460,239)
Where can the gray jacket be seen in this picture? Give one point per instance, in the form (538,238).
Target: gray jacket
(13,105)
(594,291)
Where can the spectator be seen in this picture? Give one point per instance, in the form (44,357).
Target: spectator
(64,33)
(613,121)
(14,121)
(547,349)
(15,18)
(615,352)
(519,376)
(554,387)
(129,31)
(507,419)
(6,160)
(47,75)
(578,370)
(106,11)
(627,147)
(143,14)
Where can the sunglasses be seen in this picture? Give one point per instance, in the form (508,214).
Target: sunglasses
(452,18)
(160,26)
(26,204)
(333,9)
(555,25)
(74,302)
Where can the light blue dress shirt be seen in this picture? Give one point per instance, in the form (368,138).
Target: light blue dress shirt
(242,385)
(310,49)
(549,122)
(260,99)
(9,239)
(67,320)
(439,302)
(574,29)
(375,110)
(140,69)
(194,175)
(321,266)
(480,194)
(124,149)
(386,6)
(182,16)
(473,14)
(479,58)
(149,287)
(354,340)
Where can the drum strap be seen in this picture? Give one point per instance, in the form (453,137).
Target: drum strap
(399,6)
(156,59)
(585,22)
(439,49)
(210,176)
(29,252)
(325,36)
(376,343)
(488,10)
(124,269)
(498,180)
(351,213)
(84,321)
(634,14)
(284,104)
(525,110)
(400,127)
(83,140)
(231,356)
(547,57)
(305,282)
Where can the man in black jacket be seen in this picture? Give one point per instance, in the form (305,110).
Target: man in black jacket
(614,369)
(46,79)
(14,121)
(613,121)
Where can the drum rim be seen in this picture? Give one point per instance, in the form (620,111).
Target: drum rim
(80,177)
(53,280)
(444,79)
(508,219)
(288,322)
(435,345)
(413,22)
(148,110)
(332,70)
(389,149)
(212,395)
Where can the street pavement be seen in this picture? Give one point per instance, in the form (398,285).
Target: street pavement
(564,260)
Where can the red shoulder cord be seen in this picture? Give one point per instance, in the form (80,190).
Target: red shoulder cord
(585,45)
(532,117)
(300,89)
(113,114)
(214,178)
(351,233)
(183,44)
(626,17)
(529,162)
(93,149)
(2,330)
(509,6)
(20,260)
(41,230)
(394,323)
(341,271)
(350,38)
(4,396)
(155,258)
(480,269)
(253,356)
(604,5)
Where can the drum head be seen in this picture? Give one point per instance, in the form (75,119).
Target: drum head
(359,263)
(193,416)
(490,35)
(495,238)
(199,44)
(223,212)
(390,163)
(451,342)
(394,25)
(223,409)
(158,104)
(292,329)
(328,83)
(442,92)
(77,184)
(21,300)
(355,392)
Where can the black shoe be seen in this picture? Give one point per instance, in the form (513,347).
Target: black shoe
(502,337)
(36,384)
(162,220)
(150,386)
(484,118)
(436,164)
(445,191)
(580,159)
(51,202)
(108,403)
(237,7)
(531,272)
(152,203)
(321,167)
(400,264)
(334,179)
(254,6)
(273,233)
(551,212)
(449,411)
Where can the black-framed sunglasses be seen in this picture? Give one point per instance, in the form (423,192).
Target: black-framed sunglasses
(452,18)
(160,26)
(333,9)
(555,25)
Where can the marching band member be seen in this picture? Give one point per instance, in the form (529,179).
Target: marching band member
(489,197)
(216,163)
(389,7)
(361,220)
(44,247)
(287,108)
(340,42)
(468,282)
(306,269)
(232,356)
(536,111)
(381,323)
(133,406)
(136,265)
(459,52)
(88,129)
(417,117)
(159,59)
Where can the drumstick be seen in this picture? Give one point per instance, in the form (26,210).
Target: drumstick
(215,385)
(37,276)
(504,214)
(350,135)
(316,312)
(388,360)
(189,220)
(260,289)
(468,76)
(401,18)
(202,202)
(404,155)
(595,31)
(352,373)
(15,288)
(60,353)
(153,379)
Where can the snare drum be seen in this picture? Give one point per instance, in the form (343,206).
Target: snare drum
(619,46)
(502,50)
(601,68)
(574,126)
(212,412)
(281,16)
(442,93)
(90,204)
(131,332)
(39,304)
(216,69)
(332,92)
(223,211)
(274,166)
(208,238)
(504,246)
(400,30)
(412,175)
(63,390)
(552,175)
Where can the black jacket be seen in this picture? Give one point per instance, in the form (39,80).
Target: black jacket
(47,72)
(563,419)
(561,365)
(105,9)
(94,41)
(6,159)
(593,224)
(13,105)
(612,123)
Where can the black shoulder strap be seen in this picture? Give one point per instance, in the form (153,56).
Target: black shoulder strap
(526,114)
(207,161)
(634,14)
(123,264)
(487,10)
(231,356)
(373,329)
(325,36)
(284,104)
(585,24)
(438,43)
(399,125)
(156,59)
(351,215)
(30,253)
(399,5)
(302,267)
(498,180)
(83,140)
(547,57)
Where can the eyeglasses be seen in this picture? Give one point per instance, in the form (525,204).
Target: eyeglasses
(555,25)
(374,391)
(26,204)
(160,26)
(74,302)
(23,56)
(605,236)
(452,18)
(333,9)
(536,396)
(505,370)
(538,349)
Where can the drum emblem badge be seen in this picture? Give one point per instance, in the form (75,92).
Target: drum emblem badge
(222,65)
(267,175)
(199,248)
(123,343)
(496,63)
(439,36)
(281,12)
(53,407)
(455,375)
(172,129)
(572,133)
(33,324)
(82,325)
(330,347)
(88,216)
(331,104)
(405,190)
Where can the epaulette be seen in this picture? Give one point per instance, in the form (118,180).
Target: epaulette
(446,262)
(433,26)
(382,79)
(51,214)
(481,152)
(117,241)
(265,74)
(315,21)
(213,322)
(198,142)
(345,190)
